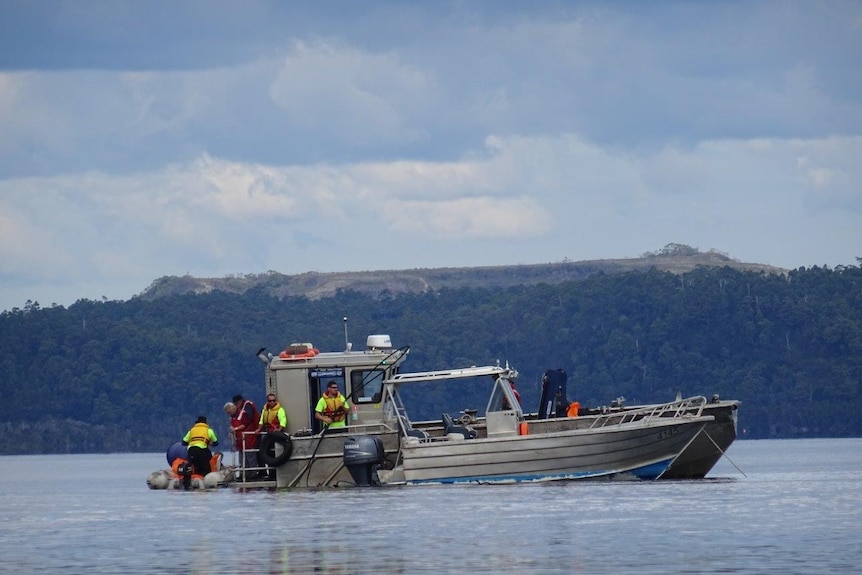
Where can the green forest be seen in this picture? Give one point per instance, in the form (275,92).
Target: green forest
(131,376)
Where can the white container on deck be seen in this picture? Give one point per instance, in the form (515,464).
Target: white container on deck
(379,341)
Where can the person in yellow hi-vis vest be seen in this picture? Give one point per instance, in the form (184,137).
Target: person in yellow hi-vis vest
(199,439)
(272,416)
(273,419)
(332,408)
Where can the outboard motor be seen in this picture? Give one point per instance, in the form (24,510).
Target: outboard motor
(185,472)
(363,456)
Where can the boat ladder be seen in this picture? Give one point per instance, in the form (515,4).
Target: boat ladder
(249,475)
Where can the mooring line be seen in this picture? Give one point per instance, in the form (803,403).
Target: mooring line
(724,454)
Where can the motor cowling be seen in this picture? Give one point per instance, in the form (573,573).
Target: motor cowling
(363,456)
(185,471)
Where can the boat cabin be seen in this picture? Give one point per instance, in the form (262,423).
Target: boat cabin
(299,375)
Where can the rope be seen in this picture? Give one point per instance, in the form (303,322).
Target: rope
(720,450)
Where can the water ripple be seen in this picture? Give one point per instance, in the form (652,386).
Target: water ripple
(796,510)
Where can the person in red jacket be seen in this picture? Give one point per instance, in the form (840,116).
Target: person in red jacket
(243,427)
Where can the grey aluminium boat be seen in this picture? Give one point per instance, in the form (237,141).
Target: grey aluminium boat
(701,455)
(709,446)
(698,458)
(506,447)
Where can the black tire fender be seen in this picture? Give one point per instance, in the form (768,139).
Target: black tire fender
(266,453)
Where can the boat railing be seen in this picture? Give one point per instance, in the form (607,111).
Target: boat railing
(244,472)
(690,407)
(396,418)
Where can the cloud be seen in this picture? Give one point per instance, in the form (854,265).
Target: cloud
(831,170)
(513,187)
(358,97)
(323,93)
(25,250)
(220,139)
(468,218)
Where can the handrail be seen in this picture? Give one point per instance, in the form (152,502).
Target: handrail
(691,407)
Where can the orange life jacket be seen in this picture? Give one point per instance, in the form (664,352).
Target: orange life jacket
(335,407)
(270,418)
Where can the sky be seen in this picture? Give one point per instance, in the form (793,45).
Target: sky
(213,138)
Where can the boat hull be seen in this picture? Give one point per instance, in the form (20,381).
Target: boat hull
(636,450)
(703,453)
(317,461)
(554,449)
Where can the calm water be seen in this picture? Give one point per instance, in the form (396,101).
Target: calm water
(797,509)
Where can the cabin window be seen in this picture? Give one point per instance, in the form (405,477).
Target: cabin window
(367,385)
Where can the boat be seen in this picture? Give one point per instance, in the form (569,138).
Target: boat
(509,447)
(698,458)
(381,445)
(180,475)
(709,446)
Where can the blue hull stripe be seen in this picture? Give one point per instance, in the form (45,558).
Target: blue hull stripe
(652,471)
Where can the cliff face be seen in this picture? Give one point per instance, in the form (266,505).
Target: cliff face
(674,258)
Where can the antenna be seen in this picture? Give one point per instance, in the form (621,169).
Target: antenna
(346,340)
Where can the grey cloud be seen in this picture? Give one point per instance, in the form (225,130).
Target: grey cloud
(205,136)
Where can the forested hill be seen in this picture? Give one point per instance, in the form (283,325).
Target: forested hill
(132,375)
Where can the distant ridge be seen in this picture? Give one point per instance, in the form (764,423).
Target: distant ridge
(674,258)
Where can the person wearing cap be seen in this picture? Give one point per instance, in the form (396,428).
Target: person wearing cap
(272,418)
(199,439)
(332,408)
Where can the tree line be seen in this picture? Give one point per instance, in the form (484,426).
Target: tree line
(108,376)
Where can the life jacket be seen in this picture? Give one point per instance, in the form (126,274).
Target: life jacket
(179,463)
(215,461)
(199,435)
(255,414)
(270,416)
(335,408)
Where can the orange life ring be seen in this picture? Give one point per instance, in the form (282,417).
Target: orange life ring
(304,355)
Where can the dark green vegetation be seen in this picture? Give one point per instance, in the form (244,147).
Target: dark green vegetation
(132,376)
